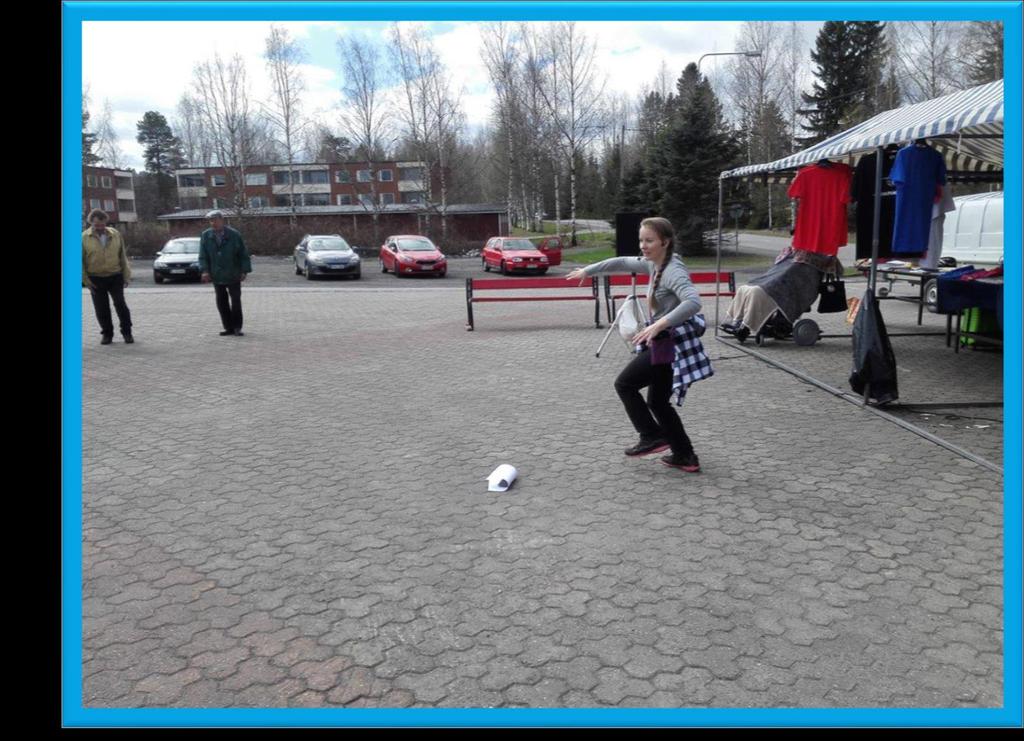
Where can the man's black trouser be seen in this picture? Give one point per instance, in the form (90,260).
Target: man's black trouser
(230,310)
(657,418)
(105,288)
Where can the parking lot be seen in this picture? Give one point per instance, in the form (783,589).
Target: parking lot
(299,517)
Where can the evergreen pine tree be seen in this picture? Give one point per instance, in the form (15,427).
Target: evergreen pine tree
(870,54)
(696,147)
(162,155)
(835,81)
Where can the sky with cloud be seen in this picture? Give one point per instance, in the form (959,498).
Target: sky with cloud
(143,66)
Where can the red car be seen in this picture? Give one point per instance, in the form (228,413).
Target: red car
(411,254)
(552,247)
(514,255)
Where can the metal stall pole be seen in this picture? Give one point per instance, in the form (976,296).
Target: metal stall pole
(875,226)
(718,256)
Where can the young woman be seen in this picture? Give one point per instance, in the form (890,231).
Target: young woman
(673,301)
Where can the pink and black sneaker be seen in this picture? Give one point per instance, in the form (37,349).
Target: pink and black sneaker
(688,462)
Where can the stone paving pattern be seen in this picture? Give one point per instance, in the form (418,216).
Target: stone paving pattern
(299,518)
(928,371)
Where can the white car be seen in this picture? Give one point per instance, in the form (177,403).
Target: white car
(177,260)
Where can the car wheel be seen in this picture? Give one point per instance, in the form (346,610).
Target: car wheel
(542,272)
(442,274)
(298,270)
(502,269)
(157,278)
(309,273)
(357,276)
(383,267)
(487,268)
(931,296)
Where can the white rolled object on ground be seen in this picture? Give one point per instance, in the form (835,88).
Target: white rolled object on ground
(502,478)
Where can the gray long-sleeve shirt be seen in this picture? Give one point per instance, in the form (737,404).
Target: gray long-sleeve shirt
(676,300)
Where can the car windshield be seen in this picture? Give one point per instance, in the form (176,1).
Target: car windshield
(182,247)
(323,245)
(519,244)
(416,245)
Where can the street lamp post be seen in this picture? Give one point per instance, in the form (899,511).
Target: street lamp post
(727,54)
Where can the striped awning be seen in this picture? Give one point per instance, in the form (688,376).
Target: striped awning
(966,127)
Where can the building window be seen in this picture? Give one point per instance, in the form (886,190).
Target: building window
(257,202)
(315,177)
(317,199)
(386,176)
(410,173)
(90,181)
(106,182)
(415,196)
(282,200)
(281,177)
(220,202)
(387,198)
(363,176)
(190,203)
(255,178)
(125,205)
(342,176)
(123,183)
(94,203)
(191,181)
(366,199)
(108,205)
(218,180)
(344,200)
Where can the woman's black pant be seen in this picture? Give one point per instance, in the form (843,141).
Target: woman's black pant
(657,418)
(230,310)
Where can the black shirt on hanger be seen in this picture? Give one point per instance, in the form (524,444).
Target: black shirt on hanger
(863,192)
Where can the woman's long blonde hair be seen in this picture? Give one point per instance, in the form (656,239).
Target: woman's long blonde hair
(663,228)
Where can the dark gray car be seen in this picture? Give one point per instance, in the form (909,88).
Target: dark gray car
(326,255)
(178,259)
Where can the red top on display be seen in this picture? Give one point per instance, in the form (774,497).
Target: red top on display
(824,192)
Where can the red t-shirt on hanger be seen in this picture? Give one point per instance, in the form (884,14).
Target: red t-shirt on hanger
(821,215)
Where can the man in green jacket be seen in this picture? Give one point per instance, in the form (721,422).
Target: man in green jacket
(224,261)
(105,272)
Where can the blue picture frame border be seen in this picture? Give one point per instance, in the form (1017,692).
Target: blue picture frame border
(73,712)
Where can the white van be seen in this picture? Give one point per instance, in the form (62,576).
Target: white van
(973,233)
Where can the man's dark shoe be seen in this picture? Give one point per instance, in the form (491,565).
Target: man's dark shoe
(239,333)
(729,328)
(228,333)
(644,447)
(128,339)
(688,462)
(741,333)
(107,339)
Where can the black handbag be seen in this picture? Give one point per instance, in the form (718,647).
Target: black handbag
(833,294)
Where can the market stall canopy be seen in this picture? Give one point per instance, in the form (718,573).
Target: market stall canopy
(966,127)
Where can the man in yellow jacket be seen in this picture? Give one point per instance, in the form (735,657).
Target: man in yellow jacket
(105,272)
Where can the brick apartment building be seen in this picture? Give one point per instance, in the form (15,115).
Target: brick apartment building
(111,190)
(338,196)
(316,184)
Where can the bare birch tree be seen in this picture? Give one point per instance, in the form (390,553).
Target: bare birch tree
(196,142)
(365,111)
(501,56)
(925,57)
(222,98)
(107,146)
(573,98)
(284,58)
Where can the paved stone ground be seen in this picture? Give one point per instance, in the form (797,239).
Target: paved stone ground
(928,372)
(299,518)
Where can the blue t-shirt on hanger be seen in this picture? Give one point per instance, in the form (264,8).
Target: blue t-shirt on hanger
(915,173)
